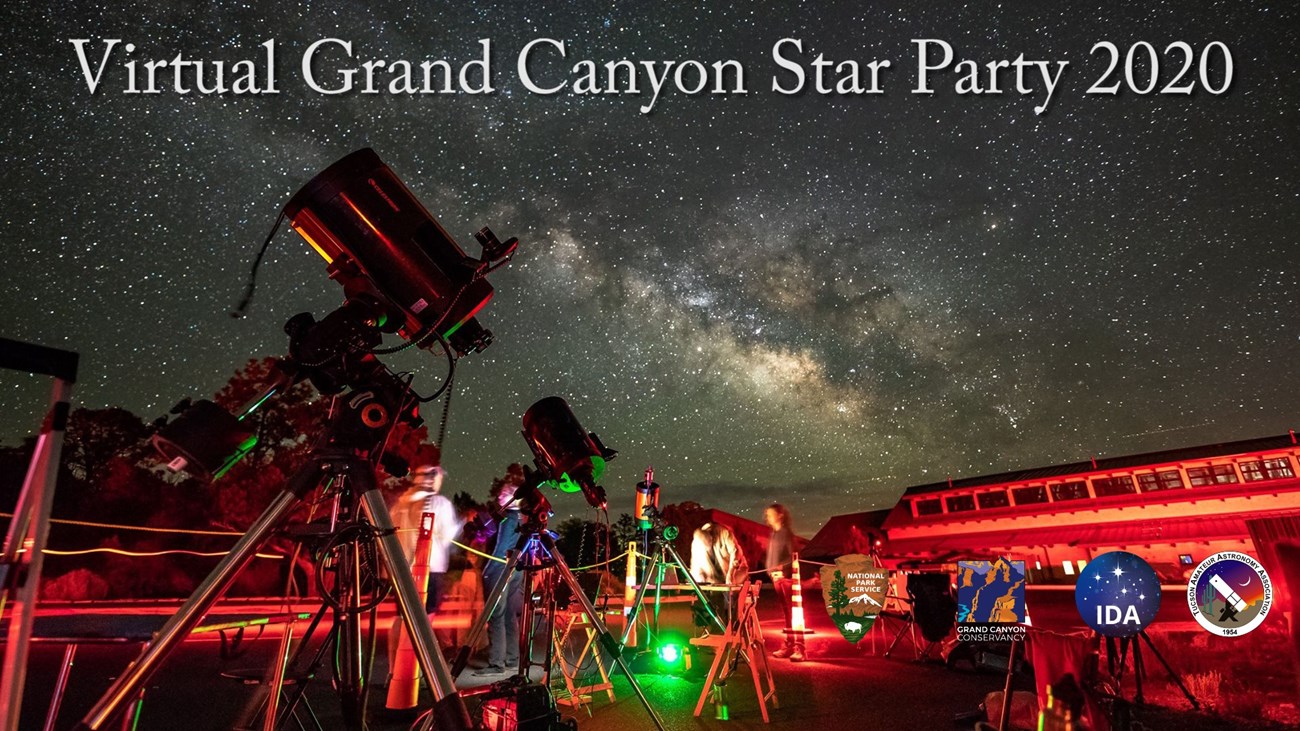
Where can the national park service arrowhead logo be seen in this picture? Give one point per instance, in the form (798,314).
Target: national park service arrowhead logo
(854,590)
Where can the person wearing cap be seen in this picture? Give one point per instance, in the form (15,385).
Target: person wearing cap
(425,496)
(503,625)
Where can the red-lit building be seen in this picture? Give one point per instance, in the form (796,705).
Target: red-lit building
(1173,508)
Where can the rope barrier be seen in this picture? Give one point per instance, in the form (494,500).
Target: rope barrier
(231,534)
(476,552)
(602,563)
(144,554)
(146,529)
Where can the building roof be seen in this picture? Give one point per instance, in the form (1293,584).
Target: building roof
(1205,451)
(1147,532)
(848,533)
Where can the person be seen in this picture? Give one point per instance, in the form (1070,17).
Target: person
(423,494)
(503,625)
(716,559)
(780,554)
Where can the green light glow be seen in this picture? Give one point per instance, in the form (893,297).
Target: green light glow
(567,484)
(244,448)
(670,653)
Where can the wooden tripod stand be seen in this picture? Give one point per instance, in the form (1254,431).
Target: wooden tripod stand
(742,640)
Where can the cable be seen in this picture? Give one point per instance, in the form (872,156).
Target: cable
(242,307)
(451,371)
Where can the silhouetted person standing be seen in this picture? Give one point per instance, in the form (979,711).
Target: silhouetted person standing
(780,555)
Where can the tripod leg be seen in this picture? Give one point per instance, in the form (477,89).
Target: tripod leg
(449,712)
(350,681)
(1139,670)
(608,641)
(300,686)
(1172,675)
(489,606)
(699,593)
(637,603)
(129,683)
(899,636)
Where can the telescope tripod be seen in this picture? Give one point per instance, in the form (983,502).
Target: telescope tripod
(358,474)
(662,555)
(346,552)
(535,540)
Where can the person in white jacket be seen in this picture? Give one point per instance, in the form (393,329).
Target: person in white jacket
(425,496)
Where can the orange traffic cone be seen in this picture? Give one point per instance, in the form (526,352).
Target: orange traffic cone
(404,675)
(797,628)
(629,594)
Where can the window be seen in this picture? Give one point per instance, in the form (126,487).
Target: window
(960,503)
(1069,491)
(1215,474)
(1068,565)
(1267,469)
(928,507)
(1170,480)
(1107,486)
(1030,495)
(996,499)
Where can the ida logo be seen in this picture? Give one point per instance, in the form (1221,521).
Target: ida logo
(1118,594)
(854,590)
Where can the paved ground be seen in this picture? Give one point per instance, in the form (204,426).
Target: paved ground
(841,687)
(874,693)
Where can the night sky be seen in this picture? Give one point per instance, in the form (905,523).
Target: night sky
(811,298)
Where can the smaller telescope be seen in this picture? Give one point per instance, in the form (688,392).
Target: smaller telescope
(567,455)
(647,495)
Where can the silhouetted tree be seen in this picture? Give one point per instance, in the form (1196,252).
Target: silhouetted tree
(687,516)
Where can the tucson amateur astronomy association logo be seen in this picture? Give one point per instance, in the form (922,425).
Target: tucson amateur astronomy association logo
(1118,594)
(990,599)
(855,594)
(1229,594)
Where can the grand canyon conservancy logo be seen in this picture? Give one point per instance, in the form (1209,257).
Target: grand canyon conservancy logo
(1118,594)
(990,600)
(1229,594)
(854,590)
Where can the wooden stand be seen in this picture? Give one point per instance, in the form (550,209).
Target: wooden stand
(579,695)
(742,640)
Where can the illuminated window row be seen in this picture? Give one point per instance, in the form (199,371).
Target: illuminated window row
(1259,470)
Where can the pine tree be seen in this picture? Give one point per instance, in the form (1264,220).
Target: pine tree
(839,596)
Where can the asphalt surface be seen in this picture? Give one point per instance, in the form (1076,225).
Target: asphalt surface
(838,683)
(873,692)
(840,686)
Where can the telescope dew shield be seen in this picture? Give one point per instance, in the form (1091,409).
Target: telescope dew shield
(363,220)
(570,457)
(205,440)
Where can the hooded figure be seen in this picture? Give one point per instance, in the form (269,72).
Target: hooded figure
(715,557)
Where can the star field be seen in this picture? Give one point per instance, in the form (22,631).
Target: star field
(1118,579)
(813,299)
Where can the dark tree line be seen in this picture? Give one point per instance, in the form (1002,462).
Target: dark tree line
(109,474)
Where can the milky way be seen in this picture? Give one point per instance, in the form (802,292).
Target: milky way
(809,298)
